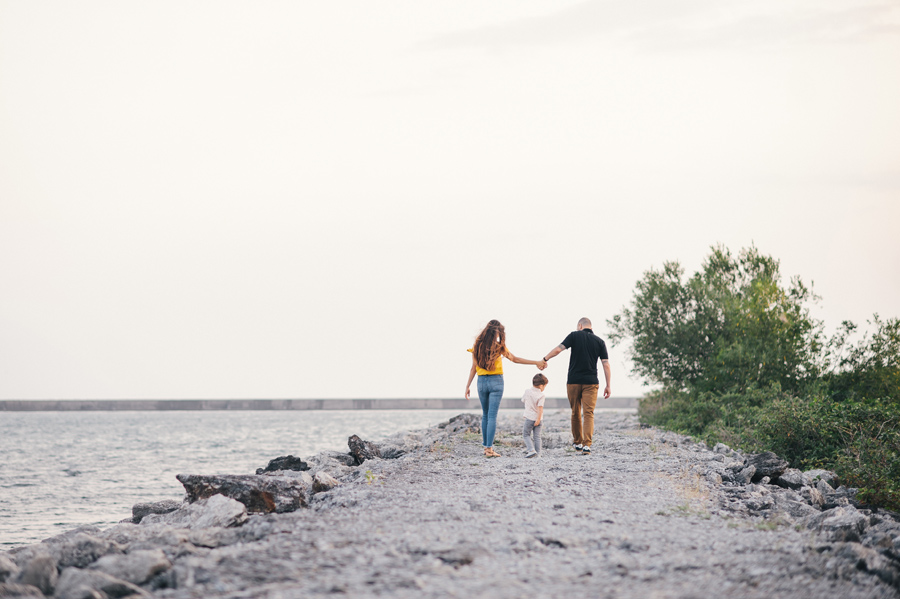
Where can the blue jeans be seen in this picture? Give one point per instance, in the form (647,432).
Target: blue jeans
(490,392)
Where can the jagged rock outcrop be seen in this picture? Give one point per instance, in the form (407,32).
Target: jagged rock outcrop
(792,479)
(323,482)
(261,494)
(362,450)
(136,567)
(81,549)
(285,462)
(214,511)
(766,464)
(844,524)
(139,510)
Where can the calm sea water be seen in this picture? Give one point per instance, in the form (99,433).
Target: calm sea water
(59,470)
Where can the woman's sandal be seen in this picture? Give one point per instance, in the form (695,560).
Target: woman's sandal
(489,452)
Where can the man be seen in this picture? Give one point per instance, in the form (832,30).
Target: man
(583,384)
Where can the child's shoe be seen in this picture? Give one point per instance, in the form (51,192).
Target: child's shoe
(531,454)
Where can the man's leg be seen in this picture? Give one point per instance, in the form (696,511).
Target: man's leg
(588,401)
(574,393)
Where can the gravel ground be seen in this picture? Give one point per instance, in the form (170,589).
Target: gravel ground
(638,518)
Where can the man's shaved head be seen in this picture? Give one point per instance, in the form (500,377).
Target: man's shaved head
(584,323)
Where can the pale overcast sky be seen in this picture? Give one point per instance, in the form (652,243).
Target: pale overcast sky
(330,199)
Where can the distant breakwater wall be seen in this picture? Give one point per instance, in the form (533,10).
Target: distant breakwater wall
(131,405)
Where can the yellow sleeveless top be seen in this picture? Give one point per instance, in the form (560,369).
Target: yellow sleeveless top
(497,369)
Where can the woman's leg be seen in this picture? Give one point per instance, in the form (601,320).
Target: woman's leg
(495,394)
(484,396)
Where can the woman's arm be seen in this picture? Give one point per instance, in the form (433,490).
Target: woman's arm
(517,360)
(471,376)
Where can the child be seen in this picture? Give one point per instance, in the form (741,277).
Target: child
(534,415)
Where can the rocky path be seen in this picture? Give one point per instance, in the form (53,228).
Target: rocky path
(645,516)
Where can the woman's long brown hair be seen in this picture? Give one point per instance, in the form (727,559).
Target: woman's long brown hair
(489,345)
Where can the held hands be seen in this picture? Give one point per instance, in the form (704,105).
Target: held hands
(542,364)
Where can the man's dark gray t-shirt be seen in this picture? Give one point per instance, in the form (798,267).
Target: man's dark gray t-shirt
(586,348)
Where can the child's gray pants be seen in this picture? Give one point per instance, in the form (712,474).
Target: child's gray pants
(527,431)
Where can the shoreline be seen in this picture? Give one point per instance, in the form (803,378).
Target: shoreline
(650,513)
(115,405)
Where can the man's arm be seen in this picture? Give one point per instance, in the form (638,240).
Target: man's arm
(607,374)
(555,351)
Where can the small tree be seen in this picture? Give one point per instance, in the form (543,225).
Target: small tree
(728,327)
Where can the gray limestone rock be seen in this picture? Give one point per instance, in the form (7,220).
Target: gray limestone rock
(391,452)
(324,482)
(143,536)
(760,503)
(723,449)
(824,488)
(868,560)
(812,496)
(139,510)
(746,475)
(215,511)
(816,475)
(343,458)
(844,524)
(285,462)
(40,572)
(462,423)
(766,464)
(840,497)
(261,494)
(362,450)
(8,568)
(82,549)
(11,589)
(333,463)
(75,583)
(136,567)
(796,509)
(792,479)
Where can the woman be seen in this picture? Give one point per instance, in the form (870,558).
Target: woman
(487,353)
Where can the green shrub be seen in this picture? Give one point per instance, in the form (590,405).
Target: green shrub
(859,440)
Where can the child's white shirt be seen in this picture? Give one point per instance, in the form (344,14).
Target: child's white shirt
(533,399)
